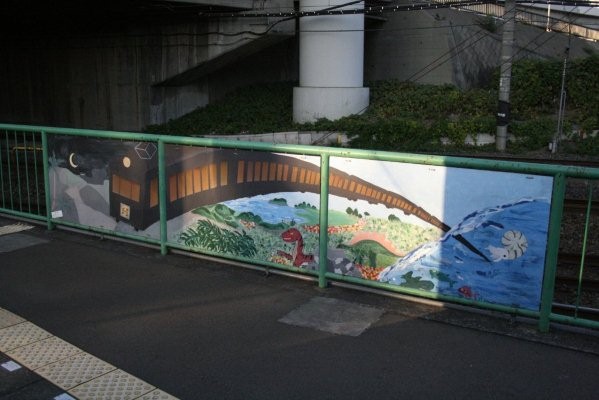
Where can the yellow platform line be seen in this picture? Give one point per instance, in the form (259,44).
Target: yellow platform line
(80,374)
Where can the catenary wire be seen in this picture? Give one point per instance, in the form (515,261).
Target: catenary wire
(520,49)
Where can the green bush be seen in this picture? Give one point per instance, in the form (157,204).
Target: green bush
(535,88)
(582,86)
(533,134)
(395,99)
(405,116)
(393,135)
(253,109)
(586,146)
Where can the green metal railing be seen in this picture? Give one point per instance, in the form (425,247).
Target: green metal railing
(24,167)
(21,169)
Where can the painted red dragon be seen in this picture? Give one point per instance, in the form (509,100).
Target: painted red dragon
(297,256)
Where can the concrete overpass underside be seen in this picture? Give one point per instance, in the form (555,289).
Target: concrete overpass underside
(125,65)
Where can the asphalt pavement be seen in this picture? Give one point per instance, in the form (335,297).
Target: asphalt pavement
(198,329)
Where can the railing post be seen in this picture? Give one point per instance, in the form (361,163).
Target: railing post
(555,222)
(323,236)
(45,159)
(162,195)
(3,205)
(37,183)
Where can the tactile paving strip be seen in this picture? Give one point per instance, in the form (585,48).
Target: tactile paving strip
(21,335)
(157,395)
(68,367)
(8,319)
(75,370)
(116,385)
(44,352)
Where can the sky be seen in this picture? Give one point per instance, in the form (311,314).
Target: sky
(450,194)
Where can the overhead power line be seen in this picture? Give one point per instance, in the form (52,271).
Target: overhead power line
(251,34)
(415,6)
(61,44)
(427,69)
(549,37)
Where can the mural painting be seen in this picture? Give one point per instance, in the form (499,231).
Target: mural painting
(489,247)
(472,234)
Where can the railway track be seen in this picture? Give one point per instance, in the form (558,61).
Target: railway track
(567,283)
(580,206)
(591,285)
(571,311)
(572,259)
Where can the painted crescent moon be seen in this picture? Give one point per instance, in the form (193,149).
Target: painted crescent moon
(71,162)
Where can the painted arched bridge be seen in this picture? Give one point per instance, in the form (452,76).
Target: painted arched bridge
(200,176)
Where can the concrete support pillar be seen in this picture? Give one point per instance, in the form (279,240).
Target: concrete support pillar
(331,64)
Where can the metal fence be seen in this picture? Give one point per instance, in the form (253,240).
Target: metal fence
(561,21)
(25,192)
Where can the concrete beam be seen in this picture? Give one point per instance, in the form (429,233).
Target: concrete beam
(219,3)
(225,59)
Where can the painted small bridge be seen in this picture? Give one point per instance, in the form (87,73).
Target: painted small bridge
(198,176)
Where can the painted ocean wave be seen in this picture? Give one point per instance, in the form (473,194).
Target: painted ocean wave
(513,239)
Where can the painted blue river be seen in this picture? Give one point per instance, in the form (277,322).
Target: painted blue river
(513,238)
(269,212)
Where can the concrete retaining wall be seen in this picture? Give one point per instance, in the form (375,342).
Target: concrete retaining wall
(110,81)
(305,138)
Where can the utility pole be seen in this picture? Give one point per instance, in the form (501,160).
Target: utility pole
(505,77)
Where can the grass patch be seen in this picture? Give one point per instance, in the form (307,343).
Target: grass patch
(405,116)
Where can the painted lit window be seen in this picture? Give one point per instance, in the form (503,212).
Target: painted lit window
(224,172)
(195,180)
(153,192)
(213,172)
(240,169)
(172,188)
(126,188)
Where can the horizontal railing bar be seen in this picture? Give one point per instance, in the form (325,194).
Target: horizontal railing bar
(254,267)
(107,232)
(586,323)
(446,161)
(434,296)
(265,265)
(22,214)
